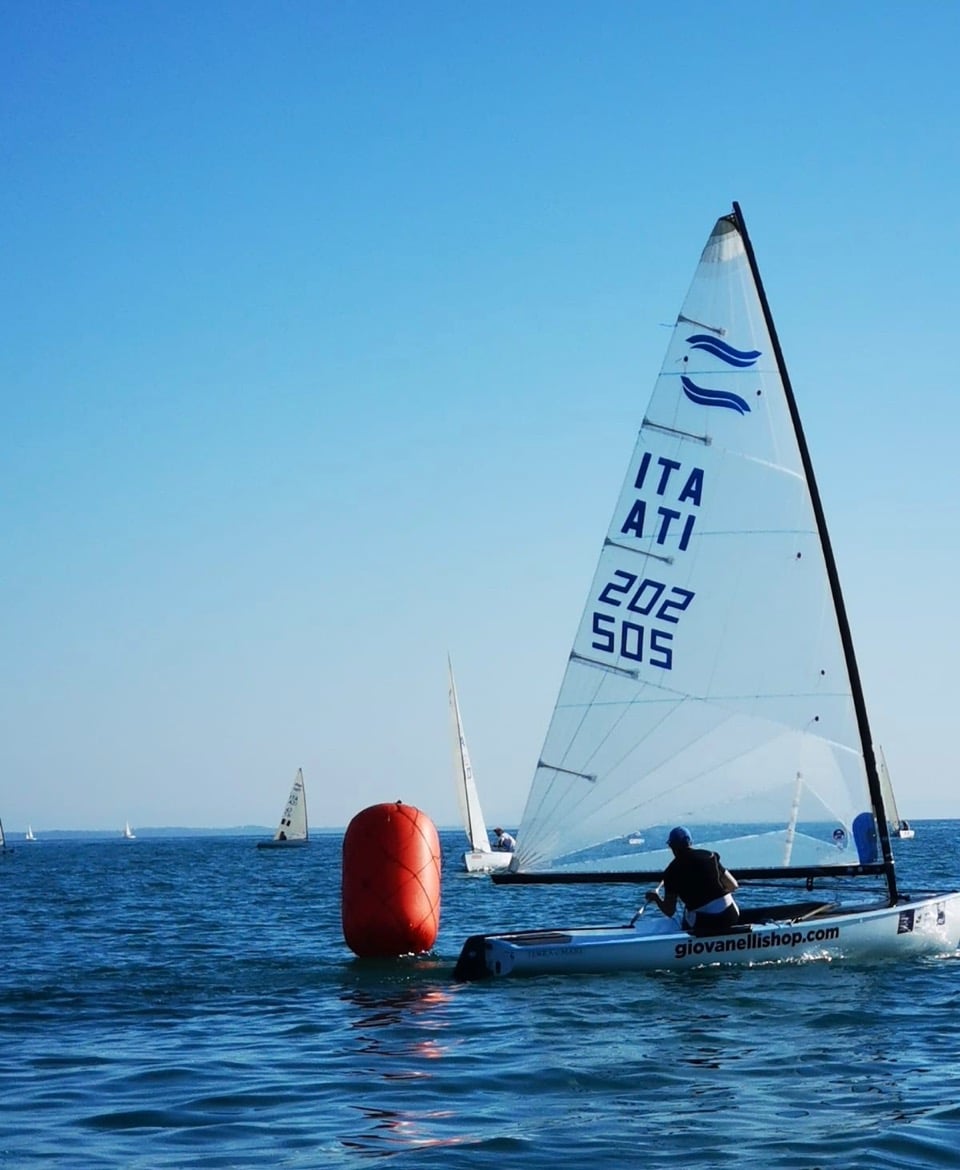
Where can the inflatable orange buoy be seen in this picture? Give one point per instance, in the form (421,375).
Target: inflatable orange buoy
(390,896)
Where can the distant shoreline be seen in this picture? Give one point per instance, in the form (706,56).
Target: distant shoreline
(174,831)
(13,835)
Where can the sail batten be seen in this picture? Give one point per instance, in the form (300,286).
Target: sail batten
(584,661)
(568,772)
(637,551)
(681,320)
(665,430)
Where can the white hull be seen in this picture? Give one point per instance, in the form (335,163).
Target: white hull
(904,834)
(485,860)
(928,926)
(290,843)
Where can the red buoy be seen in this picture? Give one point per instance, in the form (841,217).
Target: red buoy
(390,896)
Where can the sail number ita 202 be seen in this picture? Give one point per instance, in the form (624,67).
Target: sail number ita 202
(640,612)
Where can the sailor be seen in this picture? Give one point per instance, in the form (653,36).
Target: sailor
(504,841)
(697,877)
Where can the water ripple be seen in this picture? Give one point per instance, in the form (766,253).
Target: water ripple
(164,1015)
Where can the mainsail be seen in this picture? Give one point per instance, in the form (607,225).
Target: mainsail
(293,823)
(711,681)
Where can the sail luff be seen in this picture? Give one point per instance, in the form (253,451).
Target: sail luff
(846,635)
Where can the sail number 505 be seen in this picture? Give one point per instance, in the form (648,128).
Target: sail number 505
(639,641)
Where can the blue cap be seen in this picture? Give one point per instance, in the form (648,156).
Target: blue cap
(679,836)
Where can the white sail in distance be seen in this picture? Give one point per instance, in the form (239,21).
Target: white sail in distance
(467,797)
(293,822)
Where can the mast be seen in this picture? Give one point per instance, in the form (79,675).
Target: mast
(859,703)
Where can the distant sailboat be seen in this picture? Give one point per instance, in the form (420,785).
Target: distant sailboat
(128,833)
(899,828)
(28,836)
(292,829)
(4,847)
(479,858)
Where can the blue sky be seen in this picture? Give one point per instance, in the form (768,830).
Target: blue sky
(327,332)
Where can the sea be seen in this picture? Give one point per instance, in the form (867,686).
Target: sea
(191,1002)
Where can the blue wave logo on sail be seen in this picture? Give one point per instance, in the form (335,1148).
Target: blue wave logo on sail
(741,358)
(704,397)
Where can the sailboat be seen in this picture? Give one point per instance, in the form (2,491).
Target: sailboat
(898,827)
(128,834)
(713,683)
(479,858)
(292,829)
(4,847)
(28,836)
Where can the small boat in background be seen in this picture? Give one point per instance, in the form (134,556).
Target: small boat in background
(479,858)
(292,829)
(28,836)
(4,847)
(128,834)
(898,827)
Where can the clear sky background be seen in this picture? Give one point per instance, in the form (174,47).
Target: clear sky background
(327,329)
